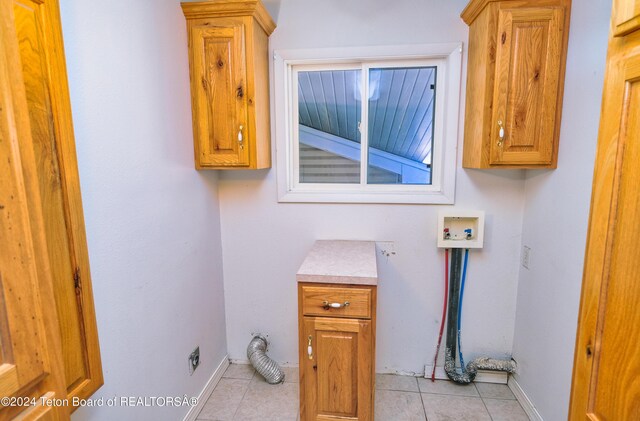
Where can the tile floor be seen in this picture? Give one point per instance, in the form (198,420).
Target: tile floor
(243,395)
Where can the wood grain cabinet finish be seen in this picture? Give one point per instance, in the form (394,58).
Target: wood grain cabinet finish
(228,61)
(31,360)
(517,54)
(626,18)
(607,356)
(337,377)
(41,59)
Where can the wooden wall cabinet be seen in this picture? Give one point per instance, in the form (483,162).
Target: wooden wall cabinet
(44,80)
(515,79)
(337,325)
(229,67)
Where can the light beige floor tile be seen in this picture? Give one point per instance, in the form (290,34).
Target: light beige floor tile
(392,405)
(239,371)
(264,401)
(393,382)
(446,387)
(291,374)
(224,401)
(494,391)
(454,408)
(505,410)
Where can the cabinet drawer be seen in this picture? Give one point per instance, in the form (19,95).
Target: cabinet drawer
(354,302)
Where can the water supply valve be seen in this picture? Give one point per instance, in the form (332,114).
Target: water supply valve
(462,229)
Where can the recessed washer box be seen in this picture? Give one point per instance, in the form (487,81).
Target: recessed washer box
(460,229)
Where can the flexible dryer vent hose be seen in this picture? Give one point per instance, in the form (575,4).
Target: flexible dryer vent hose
(469,373)
(257,354)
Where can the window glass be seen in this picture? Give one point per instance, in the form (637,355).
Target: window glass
(401,125)
(329,113)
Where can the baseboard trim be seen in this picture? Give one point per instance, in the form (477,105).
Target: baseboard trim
(524,400)
(483,376)
(208,390)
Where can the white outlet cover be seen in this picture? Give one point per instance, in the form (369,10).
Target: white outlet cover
(457,221)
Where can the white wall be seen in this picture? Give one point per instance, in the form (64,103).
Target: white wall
(152,220)
(555,224)
(264,242)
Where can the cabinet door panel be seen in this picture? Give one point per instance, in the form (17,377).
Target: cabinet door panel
(30,350)
(42,124)
(526,85)
(44,75)
(607,362)
(338,379)
(218,78)
(337,357)
(626,17)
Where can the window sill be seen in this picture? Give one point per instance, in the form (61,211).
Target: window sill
(416,198)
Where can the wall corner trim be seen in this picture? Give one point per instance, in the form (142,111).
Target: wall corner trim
(524,400)
(208,390)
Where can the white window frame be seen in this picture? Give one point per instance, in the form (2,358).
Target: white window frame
(448,60)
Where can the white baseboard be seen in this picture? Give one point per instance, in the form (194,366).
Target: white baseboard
(483,376)
(524,400)
(208,390)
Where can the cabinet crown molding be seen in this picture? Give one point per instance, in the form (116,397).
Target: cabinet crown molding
(475,7)
(226,8)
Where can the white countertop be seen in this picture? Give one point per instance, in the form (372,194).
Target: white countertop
(340,262)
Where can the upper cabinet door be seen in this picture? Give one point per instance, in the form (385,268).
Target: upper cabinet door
(219,103)
(528,63)
(626,17)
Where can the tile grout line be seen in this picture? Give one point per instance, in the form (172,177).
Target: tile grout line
(243,396)
(485,407)
(424,410)
(483,402)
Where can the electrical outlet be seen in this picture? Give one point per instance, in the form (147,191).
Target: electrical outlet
(194,360)
(526,256)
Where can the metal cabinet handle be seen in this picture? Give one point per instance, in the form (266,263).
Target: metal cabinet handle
(327,305)
(310,349)
(240,138)
(500,133)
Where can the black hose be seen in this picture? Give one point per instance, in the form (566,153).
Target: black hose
(484,363)
(454,293)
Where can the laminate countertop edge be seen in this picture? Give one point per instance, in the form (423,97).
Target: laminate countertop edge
(340,262)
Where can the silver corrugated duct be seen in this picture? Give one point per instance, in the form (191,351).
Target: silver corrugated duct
(469,374)
(257,354)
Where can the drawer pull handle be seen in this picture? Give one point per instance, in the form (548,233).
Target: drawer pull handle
(327,305)
(310,349)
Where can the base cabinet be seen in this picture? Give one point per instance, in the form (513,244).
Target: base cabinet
(337,355)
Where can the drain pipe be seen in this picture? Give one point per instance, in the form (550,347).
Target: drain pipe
(257,354)
(468,374)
